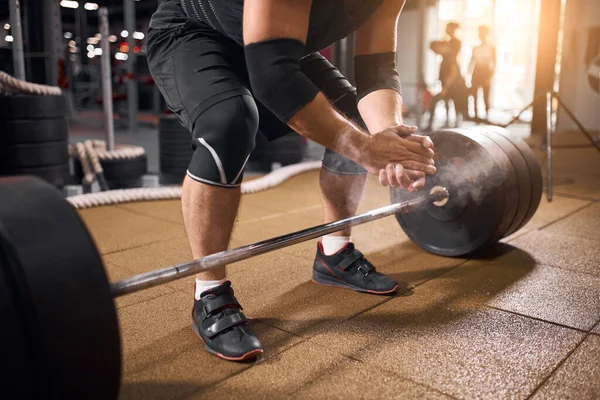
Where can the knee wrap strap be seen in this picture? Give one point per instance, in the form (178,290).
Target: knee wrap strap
(224,136)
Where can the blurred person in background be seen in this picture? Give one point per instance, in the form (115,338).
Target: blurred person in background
(453,83)
(481,70)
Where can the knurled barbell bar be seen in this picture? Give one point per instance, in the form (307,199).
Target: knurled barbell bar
(60,336)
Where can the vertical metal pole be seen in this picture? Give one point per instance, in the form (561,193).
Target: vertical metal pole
(549,142)
(54,43)
(132,93)
(17,34)
(106,79)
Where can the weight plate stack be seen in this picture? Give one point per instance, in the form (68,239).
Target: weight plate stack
(175,149)
(60,333)
(495,187)
(34,137)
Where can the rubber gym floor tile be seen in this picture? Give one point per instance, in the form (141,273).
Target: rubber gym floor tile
(115,228)
(158,255)
(577,378)
(143,323)
(262,229)
(439,338)
(176,366)
(520,285)
(583,224)
(575,184)
(310,372)
(169,210)
(566,252)
(280,199)
(116,273)
(574,161)
(549,212)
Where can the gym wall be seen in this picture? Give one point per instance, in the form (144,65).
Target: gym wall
(581,42)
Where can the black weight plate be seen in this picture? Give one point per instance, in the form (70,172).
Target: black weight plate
(33,155)
(24,106)
(535,178)
(475,172)
(125,168)
(523,176)
(16,345)
(64,290)
(56,175)
(33,130)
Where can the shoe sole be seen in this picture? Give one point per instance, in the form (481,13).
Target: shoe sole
(325,280)
(244,357)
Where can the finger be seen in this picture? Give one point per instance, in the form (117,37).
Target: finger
(401,178)
(405,181)
(383,177)
(404,130)
(425,141)
(418,184)
(419,166)
(417,148)
(391,175)
(414,175)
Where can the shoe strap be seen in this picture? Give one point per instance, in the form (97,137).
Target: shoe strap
(350,259)
(224,300)
(225,323)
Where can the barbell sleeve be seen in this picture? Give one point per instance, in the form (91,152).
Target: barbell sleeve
(168,274)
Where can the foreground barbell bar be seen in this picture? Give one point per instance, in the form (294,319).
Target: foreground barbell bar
(438,196)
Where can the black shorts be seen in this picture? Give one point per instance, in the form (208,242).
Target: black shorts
(196,67)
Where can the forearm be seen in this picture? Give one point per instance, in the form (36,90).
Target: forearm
(321,123)
(381,109)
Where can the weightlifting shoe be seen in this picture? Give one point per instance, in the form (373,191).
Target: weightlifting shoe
(348,268)
(218,319)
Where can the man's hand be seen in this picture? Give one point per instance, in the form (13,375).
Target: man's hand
(399,158)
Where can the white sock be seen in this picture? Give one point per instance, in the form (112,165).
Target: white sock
(333,244)
(203,286)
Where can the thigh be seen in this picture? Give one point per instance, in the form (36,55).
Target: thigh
(195,67)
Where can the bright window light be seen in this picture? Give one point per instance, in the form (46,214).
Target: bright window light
(98,51)
(7,26)
(68,35)
(91,54)
(124,33)
(138,35)
(69,4)
(90,6)
(90,47)
(112,38)
(8,38)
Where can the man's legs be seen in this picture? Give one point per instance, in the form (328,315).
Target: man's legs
(209,213)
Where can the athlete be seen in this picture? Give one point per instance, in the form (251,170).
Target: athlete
(228,68)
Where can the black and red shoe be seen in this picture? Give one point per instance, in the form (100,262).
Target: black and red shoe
(218,319)
(348,268)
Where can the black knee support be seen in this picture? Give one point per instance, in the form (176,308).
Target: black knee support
(223,138)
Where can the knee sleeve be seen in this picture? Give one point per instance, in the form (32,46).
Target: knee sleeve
(334,162)
(223,138)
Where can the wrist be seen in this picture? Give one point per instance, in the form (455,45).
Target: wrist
(351,143)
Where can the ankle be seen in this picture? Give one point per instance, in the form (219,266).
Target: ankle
(333,244)
(202,286)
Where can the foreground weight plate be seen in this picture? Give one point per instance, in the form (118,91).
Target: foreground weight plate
(66,310)
(483,196)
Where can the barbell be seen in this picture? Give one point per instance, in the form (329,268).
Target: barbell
(60,333)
